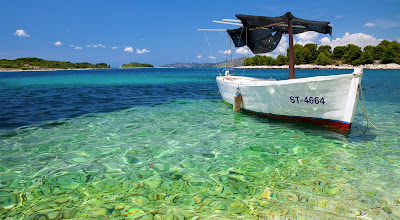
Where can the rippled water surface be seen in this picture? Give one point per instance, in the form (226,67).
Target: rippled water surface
(160,144)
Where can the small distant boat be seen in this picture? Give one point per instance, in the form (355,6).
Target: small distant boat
(328,101)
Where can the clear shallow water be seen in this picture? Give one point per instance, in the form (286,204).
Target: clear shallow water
(158,143)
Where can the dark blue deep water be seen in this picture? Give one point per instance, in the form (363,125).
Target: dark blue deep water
(34,97)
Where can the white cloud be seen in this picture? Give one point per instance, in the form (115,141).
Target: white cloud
(142,51)
(114,48)
(358,39)
(243,50)
(306,38)
(199,56)
(78,48)
(325,41)
(95,45)
(212,57)
(282,46)
(268,55)
(21,33)
(369,25)
(225,51)
(58,43)
(128,49)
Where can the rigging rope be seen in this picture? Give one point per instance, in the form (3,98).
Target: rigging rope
(245,55)
(364,108)
(212,53)
(228,51)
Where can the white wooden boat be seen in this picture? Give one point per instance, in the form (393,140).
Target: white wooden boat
(322,100)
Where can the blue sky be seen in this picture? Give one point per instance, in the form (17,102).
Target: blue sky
(163,32)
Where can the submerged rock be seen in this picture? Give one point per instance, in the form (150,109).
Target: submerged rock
(132,160)
(387,210)
(333,190)
(70,213)
(140,200)
(98,212)
(62,200)
(53,215)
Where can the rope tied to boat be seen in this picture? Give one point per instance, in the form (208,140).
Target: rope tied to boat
(363,107)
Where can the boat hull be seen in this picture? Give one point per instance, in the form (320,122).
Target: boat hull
(323,100)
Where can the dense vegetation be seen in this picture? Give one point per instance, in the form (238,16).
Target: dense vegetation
(385,52)
(37,63)
(136,65)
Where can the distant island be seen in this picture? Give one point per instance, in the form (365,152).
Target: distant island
(229,63)
(33,63)
(136,65)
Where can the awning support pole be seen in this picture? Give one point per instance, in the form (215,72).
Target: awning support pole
(291,51)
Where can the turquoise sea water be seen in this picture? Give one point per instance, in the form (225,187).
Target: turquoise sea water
(160,144)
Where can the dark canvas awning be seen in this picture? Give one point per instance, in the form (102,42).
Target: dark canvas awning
(262,34)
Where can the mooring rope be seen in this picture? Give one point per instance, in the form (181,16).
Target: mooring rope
(364,108)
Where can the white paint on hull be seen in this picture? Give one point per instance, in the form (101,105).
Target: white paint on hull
(289,97)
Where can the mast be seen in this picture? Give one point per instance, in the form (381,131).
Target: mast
(263,34)
(291,50)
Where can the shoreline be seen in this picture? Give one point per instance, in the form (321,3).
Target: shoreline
(3,70)
(390,66)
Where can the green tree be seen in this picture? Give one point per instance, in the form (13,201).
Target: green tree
(396,48)
(323,58)
(263,60)
(378,52)
(313,53)
(366,58)
(353,52)
(384,43)
(273,62)
(248,62)
(326,48)
(268,60)
(281,60)
(369,49)
(307,56)
(257,60)
(388,56)
(298,54)
(339,51)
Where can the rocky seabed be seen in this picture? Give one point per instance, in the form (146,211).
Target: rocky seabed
(172,195)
